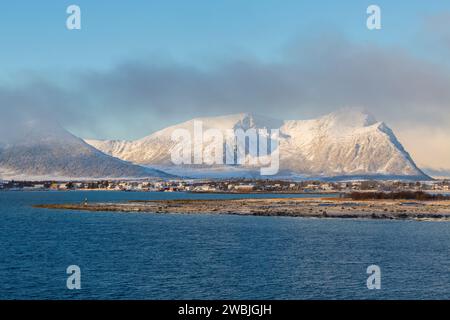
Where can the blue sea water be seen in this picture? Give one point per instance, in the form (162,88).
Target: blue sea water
(175,256)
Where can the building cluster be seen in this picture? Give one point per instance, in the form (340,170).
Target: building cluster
(231,186)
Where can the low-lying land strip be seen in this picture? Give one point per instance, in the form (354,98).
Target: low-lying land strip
(293,207)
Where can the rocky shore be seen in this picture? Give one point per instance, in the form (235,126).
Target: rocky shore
(292,207)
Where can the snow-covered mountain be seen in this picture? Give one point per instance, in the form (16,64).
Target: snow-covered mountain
(347,143)
(155,149)
(41,150)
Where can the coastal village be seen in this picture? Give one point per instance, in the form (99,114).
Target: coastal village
(230,186)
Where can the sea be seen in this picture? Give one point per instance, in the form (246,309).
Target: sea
(208,256)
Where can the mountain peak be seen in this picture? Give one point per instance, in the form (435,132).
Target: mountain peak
(350,117)
(244,120)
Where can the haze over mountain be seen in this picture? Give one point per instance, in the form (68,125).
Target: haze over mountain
(40,150)
(344,144)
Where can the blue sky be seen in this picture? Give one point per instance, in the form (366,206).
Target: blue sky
(137,66)
(33,33)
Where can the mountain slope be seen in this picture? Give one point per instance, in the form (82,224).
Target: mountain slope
(341,144)
(344,143)
(41,150)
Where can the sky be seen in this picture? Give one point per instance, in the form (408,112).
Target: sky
(138,66)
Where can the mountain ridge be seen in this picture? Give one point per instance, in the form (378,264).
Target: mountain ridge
(348,142)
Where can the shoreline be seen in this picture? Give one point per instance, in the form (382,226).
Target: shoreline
(342,208)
